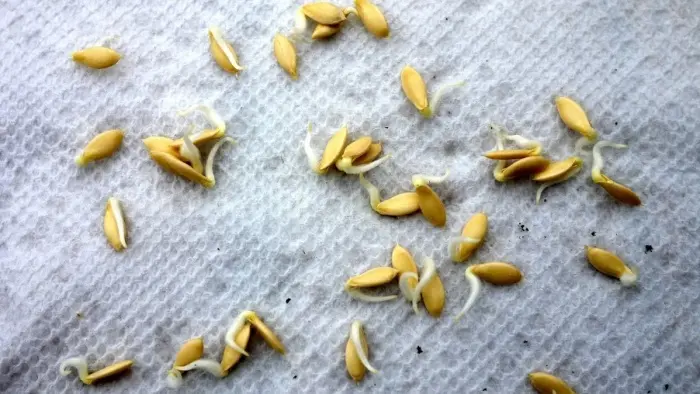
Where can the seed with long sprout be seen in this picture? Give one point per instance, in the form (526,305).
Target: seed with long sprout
(251,317)
(114,224)
(473,235)
(355,150)
(528,165)
(100,147)
(334,149)
(374,277)
(372,17)
(223,53)
(81,367)
(617,190)
(574,117)
(324,13)
(545,383)
(231,357)
(557,172)
(414,88)
(98,57)
(286,54)
(359,342)
(399,205)
(609,264)
(428,273)
(430,204)
(496,273)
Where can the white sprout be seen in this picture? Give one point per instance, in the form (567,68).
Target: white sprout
(174,379)
(347,167)
(524,142)
(80,365)
(119,219)
(581,143)
(406,290)
(355,337)
(311,157)
(235,328)
(300,23)
(374,196)
(435,102)
(218,37)
(212,116)
(598,161)
(420,179)
(499,132)
(358,295)
(551,183)
(209,169)
(426,275)
(211,366)
(629,278)
(474,290)
(191,153)
(456,242)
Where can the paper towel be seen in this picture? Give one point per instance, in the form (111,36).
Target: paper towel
(274,237)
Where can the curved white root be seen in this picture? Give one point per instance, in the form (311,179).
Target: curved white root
(311,157)
(426,275)
(598,161)
(174,379)
(119,218)
(235,328)
(358,295)
(474,290)
(356,339)
(212,116)
(581,143)
(211,366)
(355,170)
(456,242)
(405,288)
(209,169)
(435,102)
(218,37)
(420,179)
(80,365)
(191,153)
(523,142)
(374,196)
(548,184)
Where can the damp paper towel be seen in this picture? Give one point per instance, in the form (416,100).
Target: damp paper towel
(274,237)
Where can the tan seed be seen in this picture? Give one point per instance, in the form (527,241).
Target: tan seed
(202,138)
(372,278)
(358,147)
(433,295)
(475,228)
(354,366)
(334,148)
(286,54)
(611,265)
(325,31)
(618,191)
(230,356)
(431,206)
(162,144)
(574,117)
(172,164)
(497,273)
(525,167)
(545,383)
(558,170)
(189,352)
(112,370)
(226,57)
(101,146)
(266,333)
(414,89)
(97,57)
(399,205)
(509,154)
(373,18)
(114,225)
(323,13)
(372,153)
(402,261)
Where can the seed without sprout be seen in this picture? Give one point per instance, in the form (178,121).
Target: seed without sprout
(114,225)
(545,383)
(353,364)
(611,265)
(473,235)
(223,53)
(325,31)
(574,117)
(231,357)
(372,17)
(101,146)
(97,57)
(510,154)
(80,365)
(414,88)
(286,54)
(172,164)
(324,13)
(375,149)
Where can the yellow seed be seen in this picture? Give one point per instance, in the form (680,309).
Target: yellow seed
(525,167)
(510,154)
(372,17)
(112,370)
(433,295)
(399,205)
(266,333)
(162,144)
(202,138)
(618,191)
(476,228)
(402,260)
(372,278)
(574,117)
(414,89)
(354,366)
(97,57)
(172,164)
(189,352)
(334,148)
(286,54)
(431,206)
(219,55)
(558,170)
(111,225)
(497,273)
(101,146)
(358,147)
(545,383)
(230,356)
(372,153)
(323,13)
(609,264)
(325,31)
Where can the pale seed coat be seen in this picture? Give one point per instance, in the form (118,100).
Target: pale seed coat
(202,138)
(172,164)
(431,206)
(323,13)
(476,228)
(497,273)
(112,370)
(101,146)
(545,383)
(286,54)
(358,147)
(372,153)
(414,88)
(354,366)
(525,167)
(372,278)
(558,170)
(334,148)
(97,57)
(399,205)
(509,154)
(373,18)
(230,356)
(574,117)
(162,144)
(111,228)
(219,56)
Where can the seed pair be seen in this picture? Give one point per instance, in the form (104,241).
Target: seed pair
(414,88)
(609,264)
(182,156)
(357,353)
(80,365)
(497,273)
(100,147)
(355,158)
(222,52)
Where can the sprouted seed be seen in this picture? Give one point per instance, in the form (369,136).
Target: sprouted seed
(374,277)
(529,165)
(399,205)
(433,295)
(372,17)
(162,144)
(609,264)
(545,383)
(100,147)
(98,57)
(353,364)
(190,153)
(402,260)
(414,88)
(114,224)
(81,367)
(356,336)
(325,31)
(429,202)
(355,150)
(251,317)
(190,351)
(472,237)
(223,53)
(230,356)
(324,13)
(617,190)
(426,275)
(557,172)
(574,117)
(496,273)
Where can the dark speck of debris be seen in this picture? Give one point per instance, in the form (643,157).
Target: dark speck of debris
(666,387)
(648,249)
(526,342)
(218,249)
(449,112)
(386,127)
(545,200)
(545,237)
(522,227)
(294,377)
(648,391)
(615,123)
(303,251)
(592,233)
(484,389)
(288,299)
(447,19)
(79,315)
(419,350)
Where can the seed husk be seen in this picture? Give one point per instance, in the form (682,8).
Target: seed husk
(475,228)
(509,154)
(334,148)
(162,144)
(524,167)
(497,273)
(431,206)
(353,364)
(609,264)
(231,357)
(357,148)
(433,295)
(101,146)
(373,18)
(325,31)
(286,54)
(618,191)
(558,170)
(414,88)
(324,13)
(545,383)
(574,117)
(372,278)
(399,205)
(189,352)
(375,149)
(97,57)
(172,164)
(114,225)
(223,53)
(114,369)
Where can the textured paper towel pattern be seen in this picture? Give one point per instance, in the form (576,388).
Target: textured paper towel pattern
(271,230)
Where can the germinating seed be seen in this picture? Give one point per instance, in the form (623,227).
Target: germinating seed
(617,190)
(545,383)
(375,149)
(398,205)
(101,146)
(97,57)
(251,317)
(473,235)
(223,53)
(80,365)
(231,357)
(173,164)
(522,168)
(114,224)
(286,54)
(359,342)
(372,17)
(496,273)
(372,278)
(334,148)
(557,172)
(357,148)
(611,265)
(433,295)
(353,363)
(414,88)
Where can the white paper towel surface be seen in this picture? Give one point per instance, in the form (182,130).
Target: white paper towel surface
(274,237)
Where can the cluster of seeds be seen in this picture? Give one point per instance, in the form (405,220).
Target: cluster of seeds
(81,366)
(189,357)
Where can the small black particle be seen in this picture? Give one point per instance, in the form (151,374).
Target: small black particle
(592,233)
(545,236)
(449,112)
(419,350)
(303,251)
(294,377)
(288,299)
(484,389)
(545,200)
(526,342)
(615,123)
(648,249)
(386,127)
(447,19)
(522,227)
(615,70)
(218,249)
(666,387)
(648,391)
